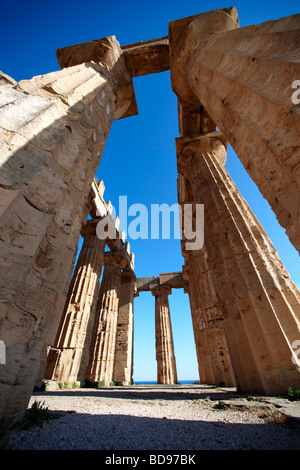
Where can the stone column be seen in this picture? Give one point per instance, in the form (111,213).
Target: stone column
(67,359)
(214,362)
(259,301)
(103,346)
(53,131)
(245,79)
(165,355)
(123,370)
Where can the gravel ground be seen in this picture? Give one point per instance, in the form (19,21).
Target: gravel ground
(157,418)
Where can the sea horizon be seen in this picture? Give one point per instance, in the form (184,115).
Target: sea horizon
(154,382)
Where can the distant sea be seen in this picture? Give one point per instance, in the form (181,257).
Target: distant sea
(145,382)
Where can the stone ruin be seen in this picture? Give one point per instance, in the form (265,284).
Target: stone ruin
(233,85)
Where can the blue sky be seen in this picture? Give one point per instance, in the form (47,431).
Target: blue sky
(139,160)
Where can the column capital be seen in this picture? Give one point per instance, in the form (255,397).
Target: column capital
(90,227)
(128,275)
(157,290)
(186,272)
(115,257)
(186,289)
(108,53)
(187,148)
(184,35)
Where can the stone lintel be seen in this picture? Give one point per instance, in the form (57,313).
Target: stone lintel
(143,58)
(144,283)
(173,280)
(106,51)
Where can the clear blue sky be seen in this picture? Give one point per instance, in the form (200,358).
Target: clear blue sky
(139,160)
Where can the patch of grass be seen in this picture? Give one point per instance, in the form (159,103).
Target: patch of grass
(275,417)
(36,415)
(264,415)
(249,398)
(62,385)
(293,395)
(65,385)
(220,406)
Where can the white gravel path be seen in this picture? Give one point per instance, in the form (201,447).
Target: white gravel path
(156,418)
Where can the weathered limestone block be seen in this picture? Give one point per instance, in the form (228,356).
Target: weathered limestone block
(123,368)
(165,355)
(243,77)
(103,344)
(259,301)
(67,359)
(52,135)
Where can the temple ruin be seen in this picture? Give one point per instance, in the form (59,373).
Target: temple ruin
(58,321)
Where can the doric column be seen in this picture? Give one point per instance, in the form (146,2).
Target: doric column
(53,131)
(245,79)
(103,346)
(214,362)
(165,355)
(123,369)
(259,301)
(67,359)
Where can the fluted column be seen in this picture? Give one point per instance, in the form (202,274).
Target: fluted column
(53,131)
(67,360)
(244,78)
(165,355)
(213,357)
(259,301)
(123,368)
(103,346)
